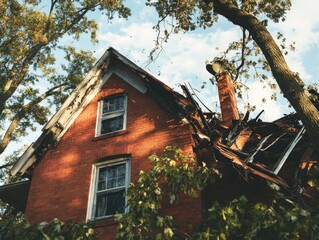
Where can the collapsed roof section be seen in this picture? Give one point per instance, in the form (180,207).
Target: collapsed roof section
(278,151)
(112,62)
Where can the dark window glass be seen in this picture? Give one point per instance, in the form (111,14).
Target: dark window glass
(112,124)
(110,203)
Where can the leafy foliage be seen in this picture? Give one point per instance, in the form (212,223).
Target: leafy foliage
(193,14)
(184,15)
(175,174)
(314,177)
(18,228)
(6,165)
(241,219)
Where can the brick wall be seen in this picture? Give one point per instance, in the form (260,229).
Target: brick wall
(61,181)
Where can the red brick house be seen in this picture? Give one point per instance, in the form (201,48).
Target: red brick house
(102,135)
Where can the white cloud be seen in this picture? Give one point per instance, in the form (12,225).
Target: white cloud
(255,95)
(302,21)
(183,54)
(301,26)
(130,39)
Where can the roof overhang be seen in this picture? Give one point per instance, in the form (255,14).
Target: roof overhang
(16,194)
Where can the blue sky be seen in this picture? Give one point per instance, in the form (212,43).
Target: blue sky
(183,57)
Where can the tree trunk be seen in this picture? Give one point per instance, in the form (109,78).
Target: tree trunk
(288,81)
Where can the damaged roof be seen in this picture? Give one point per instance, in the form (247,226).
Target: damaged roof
(278,151)
(112,62)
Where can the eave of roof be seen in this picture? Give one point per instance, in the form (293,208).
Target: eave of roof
(16,194)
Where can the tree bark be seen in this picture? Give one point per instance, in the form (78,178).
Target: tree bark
(288,81)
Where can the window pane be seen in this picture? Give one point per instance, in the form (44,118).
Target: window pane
(121,170)
(111,171)
(102,179)
(112,124)
(111,183)
(116,176)
(110,203)
(113,104)
(101,206)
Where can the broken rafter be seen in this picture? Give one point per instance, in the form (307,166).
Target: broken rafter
(199,111)
(308,158)
(210,111)
(271,144)
(255,169)
(304,166)
(250,159)
(236,129)
(288,150)
(241,139)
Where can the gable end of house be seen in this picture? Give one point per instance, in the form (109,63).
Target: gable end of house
(112,62)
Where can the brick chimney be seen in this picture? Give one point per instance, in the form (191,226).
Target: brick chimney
(226,92)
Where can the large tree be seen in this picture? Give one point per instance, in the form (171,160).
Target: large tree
(31,81)
(252,16)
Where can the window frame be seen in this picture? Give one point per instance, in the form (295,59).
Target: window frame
(100,116)
(92,202)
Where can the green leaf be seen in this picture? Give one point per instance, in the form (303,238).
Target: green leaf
(222,236)
(168,232)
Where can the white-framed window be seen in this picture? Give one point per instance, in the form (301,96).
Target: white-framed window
(112,114)
(108,185)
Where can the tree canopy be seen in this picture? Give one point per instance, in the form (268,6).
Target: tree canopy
(31,74)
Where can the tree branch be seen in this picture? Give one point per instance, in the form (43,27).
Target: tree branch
(19,71)
(7,138)
(24,68)
(242,55)
(6,165)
